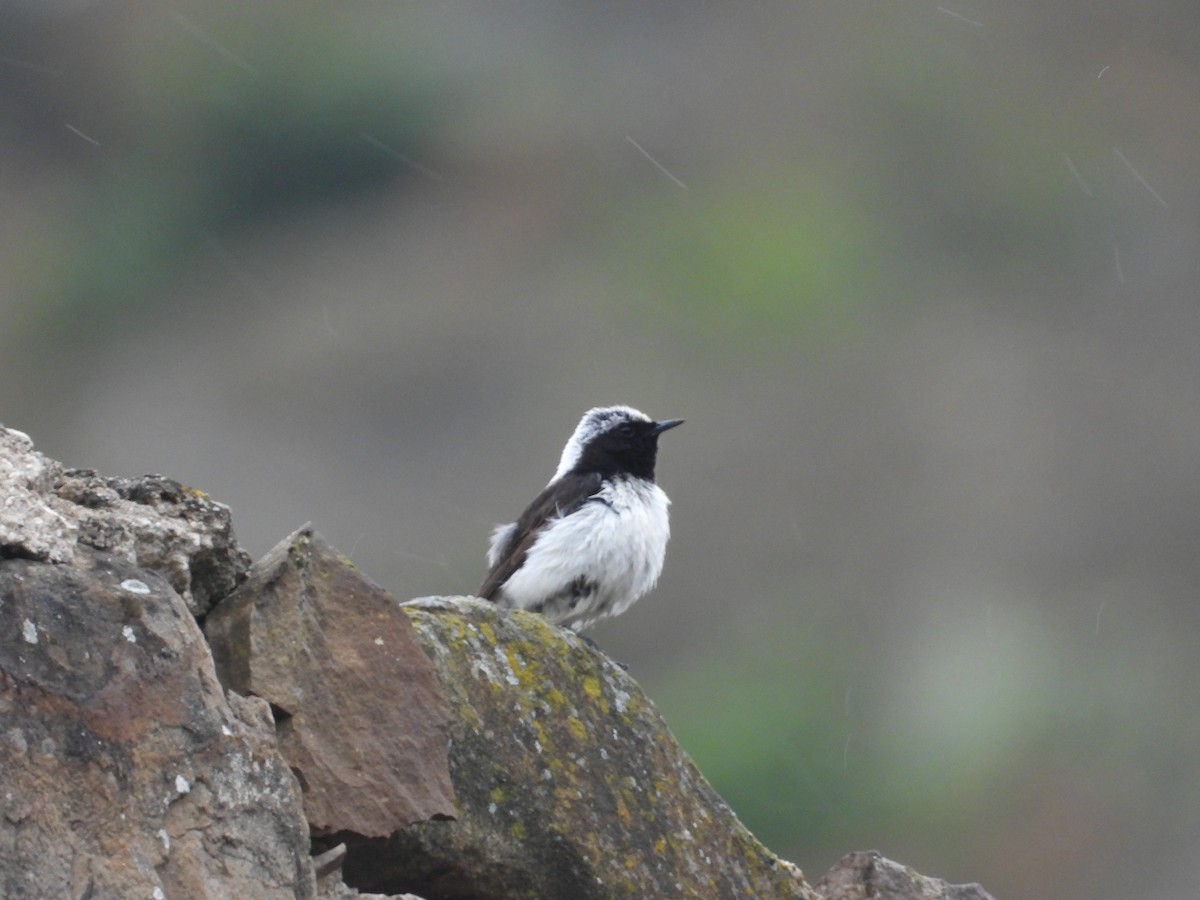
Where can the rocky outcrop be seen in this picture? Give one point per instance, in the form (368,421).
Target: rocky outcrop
(569,784)
(125,769)
(359,715)
(48,513)
(442,747)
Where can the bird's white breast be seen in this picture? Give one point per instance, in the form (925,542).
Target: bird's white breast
(616,541)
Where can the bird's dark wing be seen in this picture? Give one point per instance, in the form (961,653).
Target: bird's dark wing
(560,499)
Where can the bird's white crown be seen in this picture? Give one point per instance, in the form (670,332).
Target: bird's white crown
(594,422)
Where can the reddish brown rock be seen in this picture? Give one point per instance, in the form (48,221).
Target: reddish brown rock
(360,717)
(124,771)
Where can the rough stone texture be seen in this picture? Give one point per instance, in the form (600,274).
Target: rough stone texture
(124,770)
(46,513)
(866,875)
(360,717)
(30,526)
(569,783)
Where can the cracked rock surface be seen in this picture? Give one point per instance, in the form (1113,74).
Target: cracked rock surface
(126,771)
(48,512)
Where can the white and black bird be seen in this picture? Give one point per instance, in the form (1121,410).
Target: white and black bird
(593,541)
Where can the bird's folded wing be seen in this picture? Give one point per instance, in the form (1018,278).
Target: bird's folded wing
(561,498)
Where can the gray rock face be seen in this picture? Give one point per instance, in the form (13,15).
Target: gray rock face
(48,512)
(867,875)
(30,523)
(124,770)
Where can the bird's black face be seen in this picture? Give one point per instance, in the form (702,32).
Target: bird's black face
(628,448)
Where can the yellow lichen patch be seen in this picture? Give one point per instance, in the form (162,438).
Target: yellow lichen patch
(591,687)
(660,846)
(467,713)
(497,795)
(578,729)
(517,830)
(449,630)
(518,660)
(623,811)
(344,560)
(488,632)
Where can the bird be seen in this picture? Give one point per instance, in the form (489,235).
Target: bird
(593,541)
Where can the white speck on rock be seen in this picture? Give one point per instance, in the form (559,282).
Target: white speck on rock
(128,634)
(135,587)
(182,785)
(378,642)
(165,838)
(621,700)
(509,675)
(29,632)
(158,894)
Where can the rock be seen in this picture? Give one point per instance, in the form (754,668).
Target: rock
(866,875)
(160,525)
(30,525)
(46,513)
(360,717)
(124,769)
(568,782)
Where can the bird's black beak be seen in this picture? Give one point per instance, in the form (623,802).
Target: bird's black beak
(666,424)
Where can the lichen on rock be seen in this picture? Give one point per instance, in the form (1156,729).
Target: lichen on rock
(569,783)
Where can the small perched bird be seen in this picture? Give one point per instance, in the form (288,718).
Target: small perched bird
(593,541)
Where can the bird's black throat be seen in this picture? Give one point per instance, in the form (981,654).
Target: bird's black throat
(630,449)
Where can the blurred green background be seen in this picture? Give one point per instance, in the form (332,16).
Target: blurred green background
(922,279)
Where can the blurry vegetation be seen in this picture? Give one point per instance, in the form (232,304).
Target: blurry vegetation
(752,267)
(759,733)
(980,187)
(229,125)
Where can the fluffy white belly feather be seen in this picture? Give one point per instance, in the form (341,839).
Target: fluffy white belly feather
(614,545)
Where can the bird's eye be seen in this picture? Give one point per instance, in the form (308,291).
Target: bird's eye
(625,430)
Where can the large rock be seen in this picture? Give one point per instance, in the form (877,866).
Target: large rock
(568,782)
(48,513)
(867,875)
(124,771)
(360,717)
